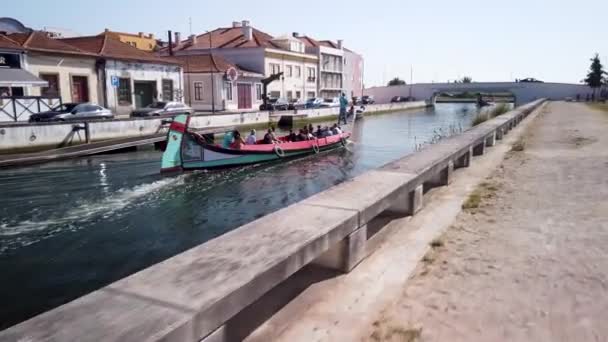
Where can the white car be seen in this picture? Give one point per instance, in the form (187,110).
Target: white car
(328,103)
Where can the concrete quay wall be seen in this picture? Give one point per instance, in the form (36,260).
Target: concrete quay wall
(30,137)
(332,113)
(194,295)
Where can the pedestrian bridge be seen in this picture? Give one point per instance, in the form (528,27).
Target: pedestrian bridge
(523,92)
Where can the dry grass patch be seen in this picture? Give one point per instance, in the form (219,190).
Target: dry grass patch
(484,190)
(397,334)
(519,145)
(482,117)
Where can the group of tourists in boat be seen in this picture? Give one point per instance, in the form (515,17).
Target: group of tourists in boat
(188,150)
(234,139)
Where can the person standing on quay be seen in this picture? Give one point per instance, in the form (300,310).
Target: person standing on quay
(343,105)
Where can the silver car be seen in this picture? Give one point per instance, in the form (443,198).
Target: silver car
(162,109)
(73,111)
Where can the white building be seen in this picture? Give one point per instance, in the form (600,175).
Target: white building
(259,52)
(330,64)
(130,78)
(211,83)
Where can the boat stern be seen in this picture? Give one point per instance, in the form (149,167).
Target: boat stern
(172,157)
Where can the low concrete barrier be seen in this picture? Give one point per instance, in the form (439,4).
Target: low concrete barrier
(29,137)
(22,137)
(191,296)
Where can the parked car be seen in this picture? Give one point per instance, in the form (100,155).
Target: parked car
(275,104)
(162,109)
(314,102)
(296,104)
(329,103)
(400,99)
(368,99)
(357,100)
(73,111)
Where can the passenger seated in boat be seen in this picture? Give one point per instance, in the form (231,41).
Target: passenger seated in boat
(228,139)
(269,137)
(251,139)
(292,136)
(311,129)
(336,129)
(238,141)
(301,136)
(274,137)
(319,132)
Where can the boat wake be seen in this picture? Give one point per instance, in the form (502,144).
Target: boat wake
(105,208)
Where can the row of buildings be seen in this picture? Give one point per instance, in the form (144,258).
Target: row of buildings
(221,69)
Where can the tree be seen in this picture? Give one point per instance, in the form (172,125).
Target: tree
(466,79)
(396,82)
(595,77)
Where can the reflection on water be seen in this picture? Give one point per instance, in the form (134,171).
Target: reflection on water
(70,227)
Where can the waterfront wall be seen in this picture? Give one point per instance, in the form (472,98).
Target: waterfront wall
(18,137)
(194,295)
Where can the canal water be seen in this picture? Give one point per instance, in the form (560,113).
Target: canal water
(68,228)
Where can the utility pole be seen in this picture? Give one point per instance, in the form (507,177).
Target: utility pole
(212,76)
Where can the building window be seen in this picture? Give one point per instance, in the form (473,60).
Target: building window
(124,91)
(198,91)
(258,92)
(289,71)
(312,77)
(168,90)
(298,72)
(298,95)
(275,94)
(310,95)
(53,89)
(289,94)
(275,68)
(228,90)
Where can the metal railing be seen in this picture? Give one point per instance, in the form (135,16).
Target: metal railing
(19,108)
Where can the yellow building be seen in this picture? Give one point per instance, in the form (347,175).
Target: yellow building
(140,40)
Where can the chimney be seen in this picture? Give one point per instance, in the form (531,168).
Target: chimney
(296,35)
(192,39)
(169,35)
(236,24)
(141,34)
(106,30)
(178,39)
(151,36)
(247,30)
(340,44)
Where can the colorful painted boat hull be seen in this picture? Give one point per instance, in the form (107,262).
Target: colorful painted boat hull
(188,151)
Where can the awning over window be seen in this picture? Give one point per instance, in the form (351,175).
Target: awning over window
(11,77)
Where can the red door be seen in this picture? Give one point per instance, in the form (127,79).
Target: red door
(244,95)
(80,89)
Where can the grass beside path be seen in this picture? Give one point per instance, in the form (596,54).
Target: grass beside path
(599,106)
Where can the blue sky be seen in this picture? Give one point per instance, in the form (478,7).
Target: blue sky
(442,40)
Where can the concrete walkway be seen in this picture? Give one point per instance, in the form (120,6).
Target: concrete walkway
(531,262)
(329,307)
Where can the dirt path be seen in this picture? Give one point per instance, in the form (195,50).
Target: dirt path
(530,263)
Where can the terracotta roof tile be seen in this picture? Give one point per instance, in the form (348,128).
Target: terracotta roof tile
(39,41)
(231,37)
(7,43)
(204,63)
(309,42)
(106,45)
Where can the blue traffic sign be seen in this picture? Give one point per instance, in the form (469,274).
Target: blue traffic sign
(114,81)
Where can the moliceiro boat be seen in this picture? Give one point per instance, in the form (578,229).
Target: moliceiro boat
(188,150)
